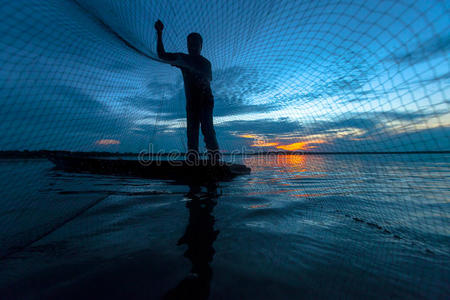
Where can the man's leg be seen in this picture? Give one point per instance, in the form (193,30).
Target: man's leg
(193,124)
(209,134)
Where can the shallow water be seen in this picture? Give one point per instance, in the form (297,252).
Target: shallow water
(315,226)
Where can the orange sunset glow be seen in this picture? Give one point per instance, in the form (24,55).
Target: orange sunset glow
(259,141)
(301,145)
(264,144)
(106,142)
(249,136)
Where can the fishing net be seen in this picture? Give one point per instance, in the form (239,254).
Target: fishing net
(339,76)
(309,76)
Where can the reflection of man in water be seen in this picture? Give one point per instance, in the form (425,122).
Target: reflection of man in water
(199,238)
(199,99)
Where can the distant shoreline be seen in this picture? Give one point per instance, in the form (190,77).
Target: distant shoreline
(46,153)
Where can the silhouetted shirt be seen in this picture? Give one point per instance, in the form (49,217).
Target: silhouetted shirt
(197,76)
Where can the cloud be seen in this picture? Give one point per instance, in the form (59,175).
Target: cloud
(301,145)
(239,90)
(268,127)
(437,45)
(107,142)
(60,117)
(231,89)
(370,131)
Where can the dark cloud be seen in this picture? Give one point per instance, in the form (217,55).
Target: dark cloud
(373,134)
(223,108)
(267,127)
(231,87)
(234,87)
(438,45)
(355,122)
(368,121)
(59,117)
(430,139)
(401,116)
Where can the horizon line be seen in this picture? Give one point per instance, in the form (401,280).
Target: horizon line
(41,153)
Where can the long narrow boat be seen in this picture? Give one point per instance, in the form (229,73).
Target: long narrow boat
(202,170)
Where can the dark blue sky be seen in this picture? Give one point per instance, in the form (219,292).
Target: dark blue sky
(308,75)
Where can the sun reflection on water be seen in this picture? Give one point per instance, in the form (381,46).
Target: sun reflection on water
(279,175)
(286,163)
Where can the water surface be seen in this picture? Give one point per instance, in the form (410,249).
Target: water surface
(373,226)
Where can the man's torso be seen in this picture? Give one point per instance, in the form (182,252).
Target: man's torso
(196,76)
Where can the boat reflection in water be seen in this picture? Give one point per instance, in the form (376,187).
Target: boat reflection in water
(199,238)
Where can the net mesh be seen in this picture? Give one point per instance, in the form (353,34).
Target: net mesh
(339,76)
(317,76)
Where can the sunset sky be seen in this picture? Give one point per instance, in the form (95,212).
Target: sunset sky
(287,75)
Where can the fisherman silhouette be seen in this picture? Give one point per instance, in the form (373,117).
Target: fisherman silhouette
(197,76)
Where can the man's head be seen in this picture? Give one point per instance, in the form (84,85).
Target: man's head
(194,43)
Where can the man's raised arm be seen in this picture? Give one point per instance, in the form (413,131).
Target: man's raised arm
(159,26)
